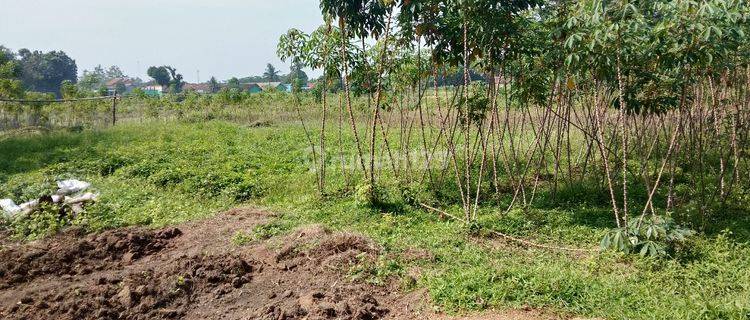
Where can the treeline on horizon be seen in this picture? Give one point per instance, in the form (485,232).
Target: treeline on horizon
(42,75)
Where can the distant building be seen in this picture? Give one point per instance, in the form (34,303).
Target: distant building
(257,87)
(197,87)
(251,87)
(284,87)
(153,89)
(267,85)
(120,85)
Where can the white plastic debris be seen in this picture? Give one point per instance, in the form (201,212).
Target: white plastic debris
(86,197)
(77,208)
(71,186)
(66,195)
(9,207)
(29,206)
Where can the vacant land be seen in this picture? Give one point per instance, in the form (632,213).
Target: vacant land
(160,175)
(192,272)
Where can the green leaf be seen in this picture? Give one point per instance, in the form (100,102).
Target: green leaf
(645,249)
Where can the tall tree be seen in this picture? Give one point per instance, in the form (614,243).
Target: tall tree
(271,74)
(296,75)
(176,84)
(160,75)
(10,70)
(213,85)
(114,72)
(44,72)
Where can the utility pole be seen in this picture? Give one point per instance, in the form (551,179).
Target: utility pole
(199,76)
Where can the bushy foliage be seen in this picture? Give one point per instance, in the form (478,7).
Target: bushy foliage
(10,70)
(654,236)
(45,71)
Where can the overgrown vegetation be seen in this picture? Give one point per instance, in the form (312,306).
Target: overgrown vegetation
(158,175)
(578,92)
(612,124)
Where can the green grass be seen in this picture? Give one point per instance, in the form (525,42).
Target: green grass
(165,173)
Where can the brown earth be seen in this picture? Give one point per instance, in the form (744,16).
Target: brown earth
(193,271)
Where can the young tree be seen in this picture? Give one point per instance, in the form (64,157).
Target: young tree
(92,80)
(68,90)
(296,75)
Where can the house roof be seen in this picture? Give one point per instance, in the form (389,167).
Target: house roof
(196,86)
(150,84)
(115,81)
(248,86)
(268,84)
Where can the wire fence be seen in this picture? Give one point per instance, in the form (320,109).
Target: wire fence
(23,115)
(48,114)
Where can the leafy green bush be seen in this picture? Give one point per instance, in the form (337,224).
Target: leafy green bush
(42,222)
(367,195)
(649,236)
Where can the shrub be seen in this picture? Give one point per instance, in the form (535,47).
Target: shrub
(653,236)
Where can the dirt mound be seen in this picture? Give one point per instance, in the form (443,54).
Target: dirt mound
(345,242)
(317,257)
(190,272)
(164,292)
(318,244)
(195,272)
(318,304)
(69,255)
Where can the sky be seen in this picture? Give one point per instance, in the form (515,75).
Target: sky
(221,38)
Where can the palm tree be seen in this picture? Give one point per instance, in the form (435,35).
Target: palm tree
(271,74)
(213,85)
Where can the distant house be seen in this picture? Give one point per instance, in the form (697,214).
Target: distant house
(284,87)
(257,87)
(153,89)
(120,85)
(251,88)
(267,85)
(308,86)
(197,87)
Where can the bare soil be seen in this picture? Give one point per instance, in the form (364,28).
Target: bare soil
(193,271)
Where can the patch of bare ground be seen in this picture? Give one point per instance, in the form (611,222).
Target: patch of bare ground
(193,271)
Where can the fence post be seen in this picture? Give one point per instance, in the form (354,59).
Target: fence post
(114,109)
